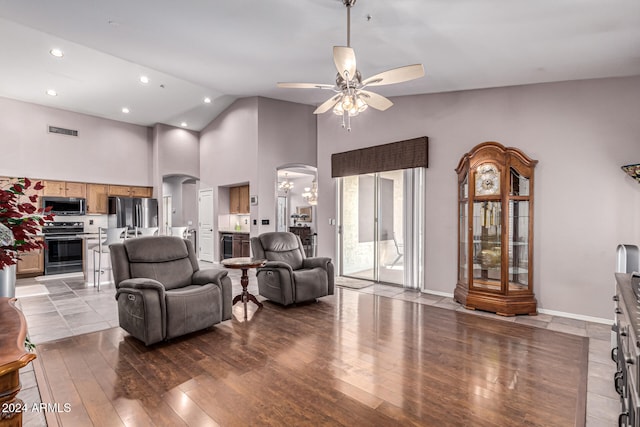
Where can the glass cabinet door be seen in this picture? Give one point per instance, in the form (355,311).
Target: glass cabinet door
(518,274)
(518,245)
(463,232)
(463,249)
(487,250)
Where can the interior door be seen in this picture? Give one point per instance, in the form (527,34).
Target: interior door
(205,224)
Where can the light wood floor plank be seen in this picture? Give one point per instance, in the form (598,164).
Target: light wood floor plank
(351,359)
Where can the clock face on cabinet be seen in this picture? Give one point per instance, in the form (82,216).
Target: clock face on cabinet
(487,180)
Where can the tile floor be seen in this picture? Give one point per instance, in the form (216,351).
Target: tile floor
(72,308)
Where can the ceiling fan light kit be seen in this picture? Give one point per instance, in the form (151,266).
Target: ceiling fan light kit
(351,99)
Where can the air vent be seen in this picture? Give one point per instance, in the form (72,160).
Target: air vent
(63,131)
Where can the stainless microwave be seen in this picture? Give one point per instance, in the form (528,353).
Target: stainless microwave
(65,205)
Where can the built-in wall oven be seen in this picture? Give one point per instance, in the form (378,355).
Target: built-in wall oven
(63,253)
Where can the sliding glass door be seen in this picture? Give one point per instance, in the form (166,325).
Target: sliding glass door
(373,227)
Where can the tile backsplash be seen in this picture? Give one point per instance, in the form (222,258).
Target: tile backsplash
(98,221)
(228,222)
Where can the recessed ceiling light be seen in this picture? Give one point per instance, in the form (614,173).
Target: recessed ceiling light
(183,124)
(56,52)
(125,110)
(207,100)
(144,79)
(52,92)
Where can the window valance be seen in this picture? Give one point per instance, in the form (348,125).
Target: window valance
(411,153)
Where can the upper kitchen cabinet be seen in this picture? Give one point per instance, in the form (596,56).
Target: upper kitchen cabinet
(239,200)
(97,198)
(130,191)
(64,189)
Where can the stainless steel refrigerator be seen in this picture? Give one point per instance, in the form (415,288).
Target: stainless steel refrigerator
(132,212)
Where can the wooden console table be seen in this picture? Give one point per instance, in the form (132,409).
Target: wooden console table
(13,356)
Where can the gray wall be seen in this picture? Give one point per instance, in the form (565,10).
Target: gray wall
(247,142)
(105,151)
(176,156)
(286,134)
(581,132)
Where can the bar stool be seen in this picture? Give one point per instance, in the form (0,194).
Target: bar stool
(110,235)
(146,231)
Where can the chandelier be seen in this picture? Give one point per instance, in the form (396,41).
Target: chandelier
(311,193)
(285,185)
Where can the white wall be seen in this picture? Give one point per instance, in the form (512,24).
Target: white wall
(105,151)
(581,132)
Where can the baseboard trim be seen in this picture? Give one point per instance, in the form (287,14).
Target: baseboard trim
(576,316)
(437,293)
(540,310)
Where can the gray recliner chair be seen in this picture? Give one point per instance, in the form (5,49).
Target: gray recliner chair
(161,291)
(290,277)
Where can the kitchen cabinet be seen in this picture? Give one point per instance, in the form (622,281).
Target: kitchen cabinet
(130,191)
(241,245)
(64,189)
(495,230)
(239,199)
(31,263)
(97,198)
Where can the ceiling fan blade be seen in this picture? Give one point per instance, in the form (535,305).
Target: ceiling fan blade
(374,100)
(396,75)
(305,86)
(345,59)
(328,104)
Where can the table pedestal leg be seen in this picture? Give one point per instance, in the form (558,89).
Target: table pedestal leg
(245,296)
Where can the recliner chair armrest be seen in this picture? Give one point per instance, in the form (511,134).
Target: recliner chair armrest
(142,309)
(141,283)
(221,279)
(327,265)
(276,264)
(202,277)
(316,262)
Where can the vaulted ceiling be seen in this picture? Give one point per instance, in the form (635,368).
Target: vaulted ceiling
(192,49)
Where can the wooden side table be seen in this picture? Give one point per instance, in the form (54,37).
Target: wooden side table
(13,356)
(244,264)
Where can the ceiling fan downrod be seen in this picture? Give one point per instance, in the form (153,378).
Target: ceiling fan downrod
(349,4)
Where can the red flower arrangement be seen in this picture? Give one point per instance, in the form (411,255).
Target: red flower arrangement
(19,214)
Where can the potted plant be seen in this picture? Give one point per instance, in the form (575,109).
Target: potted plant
(20,223)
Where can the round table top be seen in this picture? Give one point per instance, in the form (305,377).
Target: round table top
(244,262)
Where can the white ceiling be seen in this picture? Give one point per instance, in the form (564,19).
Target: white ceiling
(239,48)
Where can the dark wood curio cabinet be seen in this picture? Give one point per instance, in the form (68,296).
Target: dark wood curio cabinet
(495,230)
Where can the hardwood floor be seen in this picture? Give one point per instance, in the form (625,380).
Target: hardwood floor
(351,359)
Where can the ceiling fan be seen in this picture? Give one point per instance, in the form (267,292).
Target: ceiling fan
(351,99)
